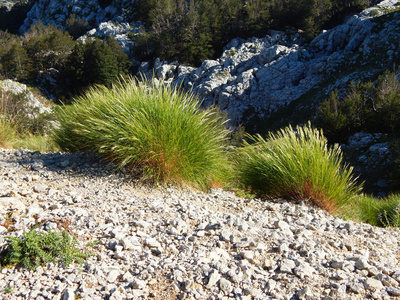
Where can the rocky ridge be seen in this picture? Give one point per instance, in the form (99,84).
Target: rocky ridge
(165,243)
(255,77)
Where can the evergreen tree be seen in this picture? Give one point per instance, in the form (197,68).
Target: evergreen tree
(94,62)
(16,63)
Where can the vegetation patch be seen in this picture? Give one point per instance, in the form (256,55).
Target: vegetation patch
(297,164)
(383,212)
(21,125)
(37,248)
(156,131)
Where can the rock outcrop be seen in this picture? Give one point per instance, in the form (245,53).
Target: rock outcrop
(254,77)
(32,103)
(111,20)
(257,76)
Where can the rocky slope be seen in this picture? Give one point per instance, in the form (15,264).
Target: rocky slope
(256,77)
(166,243)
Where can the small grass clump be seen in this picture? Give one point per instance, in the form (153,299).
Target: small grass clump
(37,248)
(157,131)
(297,164)
(383,212)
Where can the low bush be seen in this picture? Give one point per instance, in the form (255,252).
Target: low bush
(155,130)
(37,248)
(297,164)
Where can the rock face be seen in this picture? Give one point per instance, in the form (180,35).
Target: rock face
(257,76)
(103,21)
(33,105)
(169,244)
(371,158)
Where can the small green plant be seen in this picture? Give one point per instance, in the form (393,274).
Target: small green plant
(367,107)
(156,131)
(9,289)
(92,243)
(297,164)
(37,248)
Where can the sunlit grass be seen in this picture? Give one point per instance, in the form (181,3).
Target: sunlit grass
(297,164)
(155,130)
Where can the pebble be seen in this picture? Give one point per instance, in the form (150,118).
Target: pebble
(166,243)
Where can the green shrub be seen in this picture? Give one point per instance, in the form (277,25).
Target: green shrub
(37,248)
(22,125)
(94,62)
(76,27)
(156,130)
(297,164)
(368,107)
(8,133)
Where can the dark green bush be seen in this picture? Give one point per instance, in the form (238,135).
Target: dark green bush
(94,62)
(368,107)
(47,47)
(16,63)
(76,27)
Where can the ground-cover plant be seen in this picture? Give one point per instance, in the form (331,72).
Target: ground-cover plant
(297,164)
(155,130)
(37,248)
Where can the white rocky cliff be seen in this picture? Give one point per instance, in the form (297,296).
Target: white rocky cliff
(256,76)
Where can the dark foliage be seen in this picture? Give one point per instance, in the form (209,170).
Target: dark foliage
(368,107)
(76,27)
(94,62)
(104,3)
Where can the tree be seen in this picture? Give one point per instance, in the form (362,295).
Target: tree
(47,47)
(94,62)
(16,63)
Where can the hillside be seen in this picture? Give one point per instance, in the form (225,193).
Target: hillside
(171,244)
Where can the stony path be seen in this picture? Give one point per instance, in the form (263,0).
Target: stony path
(170,244)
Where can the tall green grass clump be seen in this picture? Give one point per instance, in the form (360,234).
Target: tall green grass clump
(155,130)
(297,164)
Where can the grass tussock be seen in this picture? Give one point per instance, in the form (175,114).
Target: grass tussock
(155,130)
(384,212)
(297,164)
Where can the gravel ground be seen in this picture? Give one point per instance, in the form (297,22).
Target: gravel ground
(164,243)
